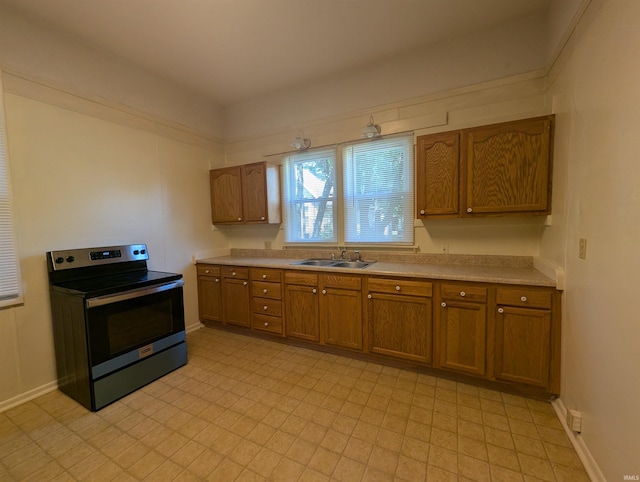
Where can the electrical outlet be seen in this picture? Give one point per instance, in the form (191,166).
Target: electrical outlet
(582,250)
(574,420)
(444,249)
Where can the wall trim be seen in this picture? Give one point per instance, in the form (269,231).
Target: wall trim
(580,446)
(43,90)
(28,396)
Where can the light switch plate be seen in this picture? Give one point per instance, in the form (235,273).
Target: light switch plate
(582,250)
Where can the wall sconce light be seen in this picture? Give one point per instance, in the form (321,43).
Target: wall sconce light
(300,143)
(372,130)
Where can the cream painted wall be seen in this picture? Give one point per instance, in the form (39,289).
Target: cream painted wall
(596,97)
(79,181)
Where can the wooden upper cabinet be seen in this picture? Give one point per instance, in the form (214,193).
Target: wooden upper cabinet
(507,168)
(437,174)
(246,194)
(226,195)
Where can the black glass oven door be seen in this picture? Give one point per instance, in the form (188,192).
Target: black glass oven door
(125,327)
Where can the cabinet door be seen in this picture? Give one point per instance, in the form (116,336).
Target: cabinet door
(236,302)
(400,326)
(462,334)
(508,167)
(523,345)
(209,298)
(341,316)
(301,312)
(437,174)
(226,195)
(254,192)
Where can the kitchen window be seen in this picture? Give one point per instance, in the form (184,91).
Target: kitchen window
(355,194)
(9,269)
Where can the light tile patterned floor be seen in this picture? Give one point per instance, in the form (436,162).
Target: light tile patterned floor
(246,409)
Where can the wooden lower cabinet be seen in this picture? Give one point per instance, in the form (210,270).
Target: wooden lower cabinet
(209,293)
(235,296)
(462,329)
(523,336)
(302,312)
(266,300)
(399,317)
(341,310)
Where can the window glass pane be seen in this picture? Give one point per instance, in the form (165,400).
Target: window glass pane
(309,206)
(378,178)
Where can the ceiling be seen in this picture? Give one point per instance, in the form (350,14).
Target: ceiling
(233,50)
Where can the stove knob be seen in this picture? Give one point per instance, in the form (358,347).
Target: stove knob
(59,260)
(143,251)
(70,259)
(136,252)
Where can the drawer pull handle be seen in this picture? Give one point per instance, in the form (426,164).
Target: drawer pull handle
(314,291)
(206,271)
(233,273)
(462,293)
(266,324)
(244,283)
(369,296)
(398,288)
(264,276)
(217,280)
(443,304)
(265,307)
(523,298)
(324,292)
(264,291)
(500,310)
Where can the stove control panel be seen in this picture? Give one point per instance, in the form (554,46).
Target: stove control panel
(81,258)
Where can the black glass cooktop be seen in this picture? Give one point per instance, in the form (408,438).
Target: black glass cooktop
(104,285)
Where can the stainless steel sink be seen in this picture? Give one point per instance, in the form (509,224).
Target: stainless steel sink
(330,263)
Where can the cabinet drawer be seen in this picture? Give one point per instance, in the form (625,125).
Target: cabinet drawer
(524,297)
(266,274)
(299,278)
(235,272)
(463,292)
(400,286)
(266,306)
(208,270)
(272,324)
(262,289)
(341,281)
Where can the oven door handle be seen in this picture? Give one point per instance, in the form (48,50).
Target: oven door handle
(129,295)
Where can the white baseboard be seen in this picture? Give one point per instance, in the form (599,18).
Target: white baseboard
(30,395)
(590,464)
(193,327)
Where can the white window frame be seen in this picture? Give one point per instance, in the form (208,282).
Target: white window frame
(339,198)
(10,278)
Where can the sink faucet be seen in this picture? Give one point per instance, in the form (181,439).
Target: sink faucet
(342,253)
(357,253)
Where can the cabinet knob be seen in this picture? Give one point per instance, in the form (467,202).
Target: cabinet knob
(206,271)
(266,324)
(369,296)
(422,211)
(244,283)
(462,293)
(398,288)
(443,304)
(239,219)
(233,273)
(314,291)
(523,298)
(500,310)
(262,218)
(217,280)
(469,210)
(265,307)
(324,292)
(264,291)
(264,276)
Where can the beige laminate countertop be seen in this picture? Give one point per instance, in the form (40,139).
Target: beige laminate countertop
(453,272)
